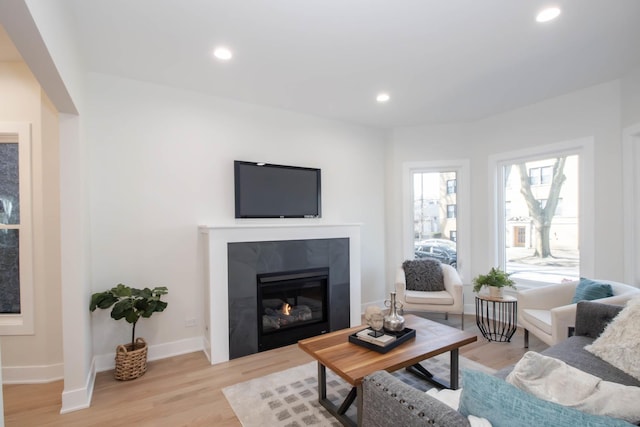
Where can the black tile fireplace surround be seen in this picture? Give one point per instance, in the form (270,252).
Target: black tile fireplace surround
(248,260)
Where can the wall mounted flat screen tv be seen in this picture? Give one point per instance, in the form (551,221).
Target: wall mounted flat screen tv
(265,190)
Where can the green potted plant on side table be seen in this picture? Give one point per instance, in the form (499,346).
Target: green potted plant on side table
(495,280)
(130,304)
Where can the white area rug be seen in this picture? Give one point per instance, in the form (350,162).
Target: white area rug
(290,398)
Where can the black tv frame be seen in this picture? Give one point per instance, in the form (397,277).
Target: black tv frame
(238,189)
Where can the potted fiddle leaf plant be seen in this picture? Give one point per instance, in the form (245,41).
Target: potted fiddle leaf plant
(495,280)
(130,304)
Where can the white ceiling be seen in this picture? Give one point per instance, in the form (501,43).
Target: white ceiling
(440,60)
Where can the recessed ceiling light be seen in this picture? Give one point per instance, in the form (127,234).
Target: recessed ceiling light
(383,97)
(222,53)
(548,14)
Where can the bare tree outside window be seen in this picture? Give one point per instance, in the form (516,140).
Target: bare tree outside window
(542,213)
(541,241)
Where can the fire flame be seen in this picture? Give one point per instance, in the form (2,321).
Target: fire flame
(286,309)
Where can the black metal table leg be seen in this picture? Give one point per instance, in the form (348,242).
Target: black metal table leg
(424,373)
(455,369)
(338,412)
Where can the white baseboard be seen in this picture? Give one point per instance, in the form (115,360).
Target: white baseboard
(206,347)
(35,374)
(40,374)
(74,400)
(469,309)
(106,362)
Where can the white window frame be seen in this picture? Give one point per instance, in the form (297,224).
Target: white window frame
(463,199)
(583,147)
(23,323)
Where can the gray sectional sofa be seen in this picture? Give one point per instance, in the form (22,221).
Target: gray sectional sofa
(389,402)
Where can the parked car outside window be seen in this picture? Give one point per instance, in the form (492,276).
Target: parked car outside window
(441,252)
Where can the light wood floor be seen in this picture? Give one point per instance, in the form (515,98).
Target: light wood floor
(187,391)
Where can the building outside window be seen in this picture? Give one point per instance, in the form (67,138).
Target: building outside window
(431,199)
(430,192)
(541,219)
(433,221)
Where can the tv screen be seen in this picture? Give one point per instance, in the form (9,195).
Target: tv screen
(274,191)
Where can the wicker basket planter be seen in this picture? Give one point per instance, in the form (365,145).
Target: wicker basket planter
(130,304)
(131,363)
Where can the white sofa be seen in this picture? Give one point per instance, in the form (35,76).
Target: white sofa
(548,313)
(448,301)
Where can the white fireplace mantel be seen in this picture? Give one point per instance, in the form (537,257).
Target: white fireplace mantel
(216,238)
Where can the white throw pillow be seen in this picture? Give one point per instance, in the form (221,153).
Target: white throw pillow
(619,343)
(553,380)
(451,398)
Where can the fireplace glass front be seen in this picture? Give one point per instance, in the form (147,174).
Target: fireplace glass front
(292,305)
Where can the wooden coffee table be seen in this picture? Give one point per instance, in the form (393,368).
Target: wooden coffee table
(353,362)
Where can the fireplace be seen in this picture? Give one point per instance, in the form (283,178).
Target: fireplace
(292,305)
(236,254)
(250,263)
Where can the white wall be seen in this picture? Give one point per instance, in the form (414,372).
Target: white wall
(37,357)
(162,163)
(43,32)
(592,112)
(630,91)
(414,144)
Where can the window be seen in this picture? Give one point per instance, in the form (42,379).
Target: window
(10,223)
(432,205)
(451,186)
(534,176)
(431,218)
(546,174)
(543,247)
(16,278)
(543,207)
(520,236)
(540,175)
